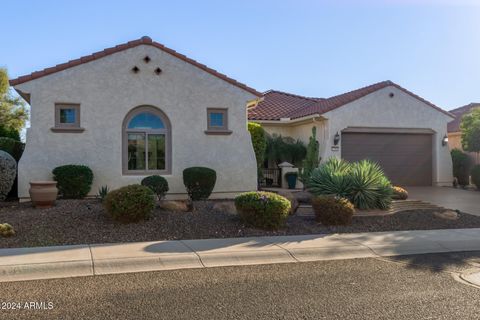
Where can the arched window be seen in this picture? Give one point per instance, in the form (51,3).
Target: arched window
(146,142)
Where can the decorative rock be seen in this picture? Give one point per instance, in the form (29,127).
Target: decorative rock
(225,206)
(447,215)
(168,205)
(8,171)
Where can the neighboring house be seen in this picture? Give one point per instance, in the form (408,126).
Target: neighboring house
(135,110)
(383,122)
(454,133)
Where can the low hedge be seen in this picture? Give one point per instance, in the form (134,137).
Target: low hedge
(130,203)
(199,182)
(332,210)
(157,184)
(263,210)
(73,181)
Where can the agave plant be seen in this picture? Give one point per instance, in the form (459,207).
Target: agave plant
(363,183)
(102,192)
(370,188)
(331,178)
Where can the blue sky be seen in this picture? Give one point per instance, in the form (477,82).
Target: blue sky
(312,48)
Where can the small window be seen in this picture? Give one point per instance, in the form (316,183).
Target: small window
(217,121)
(67,117)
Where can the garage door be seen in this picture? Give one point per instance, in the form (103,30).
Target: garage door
(405,158)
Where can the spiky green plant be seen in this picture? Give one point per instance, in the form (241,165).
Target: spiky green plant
(363,183)
(370,188)
(102,192)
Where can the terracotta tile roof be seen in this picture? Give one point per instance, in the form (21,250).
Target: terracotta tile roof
(454,126)
(121,47)
(276,105)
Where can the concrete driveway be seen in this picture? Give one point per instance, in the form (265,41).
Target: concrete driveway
(458,199)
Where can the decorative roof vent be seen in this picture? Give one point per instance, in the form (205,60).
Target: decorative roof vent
(135,69)
(147,59)
(158,71)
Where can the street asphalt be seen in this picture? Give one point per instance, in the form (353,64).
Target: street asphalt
(407,287)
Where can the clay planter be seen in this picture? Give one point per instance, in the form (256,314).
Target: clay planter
(43,193)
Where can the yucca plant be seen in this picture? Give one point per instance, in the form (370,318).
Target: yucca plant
(370,188)
(331,178)
(102,192)
(363,183)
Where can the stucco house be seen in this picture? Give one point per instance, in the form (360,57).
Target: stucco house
(384,122)
(134,110)
(454,132)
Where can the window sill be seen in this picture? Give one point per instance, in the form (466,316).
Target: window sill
(218,132)
(69,130)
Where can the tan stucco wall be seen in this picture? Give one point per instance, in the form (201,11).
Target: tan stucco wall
(402,111)
(107,90)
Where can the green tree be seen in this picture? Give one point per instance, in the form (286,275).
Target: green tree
(13,113)
(470,127)
(312,159)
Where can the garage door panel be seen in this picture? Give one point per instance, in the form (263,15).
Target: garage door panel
(405,158)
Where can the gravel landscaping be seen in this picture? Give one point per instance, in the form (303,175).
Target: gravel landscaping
(84,222)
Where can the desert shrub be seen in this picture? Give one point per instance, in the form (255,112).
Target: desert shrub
(399,193)
(333,210)
(331,178)
(461,167)
(8,171)
(476,176)
(12,147)
(6,230)
(363,183)
(199,182)
(312,157)
(73,181)
(157,184)
(263,210)
(130,203)
(370,188)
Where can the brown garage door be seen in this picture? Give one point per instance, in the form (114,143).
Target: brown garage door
(405,158)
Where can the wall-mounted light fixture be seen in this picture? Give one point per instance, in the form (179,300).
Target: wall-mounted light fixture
(336,139)
(445,140)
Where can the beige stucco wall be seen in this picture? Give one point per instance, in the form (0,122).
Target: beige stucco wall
(378,109)
(107,90)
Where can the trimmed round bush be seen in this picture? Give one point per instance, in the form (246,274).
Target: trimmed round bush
(8,171)
(199,182)
(130,203)
(332,210)
(265,210)
(6,230)
(157,184)
(73,181)
(398,193)
(476,176)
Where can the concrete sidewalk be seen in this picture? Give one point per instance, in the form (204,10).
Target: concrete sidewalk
(88,260)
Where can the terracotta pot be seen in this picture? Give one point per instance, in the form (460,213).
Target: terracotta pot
(43,193)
